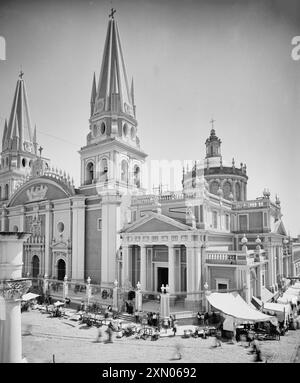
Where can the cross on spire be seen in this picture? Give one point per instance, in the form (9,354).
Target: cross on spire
(111,15)
(40,150)
(212,123)
(21,74)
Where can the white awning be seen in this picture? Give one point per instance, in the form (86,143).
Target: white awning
(266,294)
(277,307)
(234,305)
(29,296)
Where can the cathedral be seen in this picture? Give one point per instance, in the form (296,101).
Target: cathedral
(207,235)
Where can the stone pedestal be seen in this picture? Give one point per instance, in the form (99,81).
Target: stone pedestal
(165,305)
(138,300)
(12,287)
(115,304)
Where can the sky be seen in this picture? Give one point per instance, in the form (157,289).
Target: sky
(191,60)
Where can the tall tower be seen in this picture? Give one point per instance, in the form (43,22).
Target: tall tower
(112,158)
(112,161)
(19,146)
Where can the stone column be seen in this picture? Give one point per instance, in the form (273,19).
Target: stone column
(125,264)
(115,304)
(171,261)
(138,297)
(143,275)
(65,287)
(247,285)
(12,287)
(164,302)
(78,238)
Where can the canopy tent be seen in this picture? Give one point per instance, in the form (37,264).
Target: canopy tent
(281,311)
(29,296)
(287,298)
(266,294)
(296,285)
(293,291)
(234,305)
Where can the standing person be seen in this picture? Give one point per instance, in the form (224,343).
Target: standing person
(174,328)
(178,351)
(136,315)
(199,317)
(218,339)
(109,334)
(257,350)
(206,316)
(99,335)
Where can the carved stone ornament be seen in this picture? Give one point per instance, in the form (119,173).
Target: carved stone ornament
(14,289)
(36,193)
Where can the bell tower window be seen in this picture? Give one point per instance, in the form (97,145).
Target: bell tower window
(124,171)
(89,173)
(137,176)
(103,170)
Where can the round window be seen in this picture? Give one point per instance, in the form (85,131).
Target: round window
(103,128)
(60,227)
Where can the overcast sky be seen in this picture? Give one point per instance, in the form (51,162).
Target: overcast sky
(191,60)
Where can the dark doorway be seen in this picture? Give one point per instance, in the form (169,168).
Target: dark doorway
(131,295)
(61,269)
(162,277)
(35,266)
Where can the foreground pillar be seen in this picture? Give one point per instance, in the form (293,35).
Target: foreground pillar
(164,302)
(12,287)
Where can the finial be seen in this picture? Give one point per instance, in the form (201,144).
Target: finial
(40,150)
(212,123)
(233,163)
(21,74)
(111,15)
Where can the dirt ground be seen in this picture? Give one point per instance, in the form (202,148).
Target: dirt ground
(71,342)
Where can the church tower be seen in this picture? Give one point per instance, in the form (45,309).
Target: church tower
(112,158)
(19,146)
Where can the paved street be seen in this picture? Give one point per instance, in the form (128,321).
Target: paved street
(72,342)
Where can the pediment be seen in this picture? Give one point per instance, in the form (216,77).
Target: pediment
(279,228)
(156,223)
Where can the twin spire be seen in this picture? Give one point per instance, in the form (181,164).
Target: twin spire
(113,93)
(18,133)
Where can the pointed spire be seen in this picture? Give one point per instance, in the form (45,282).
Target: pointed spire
(19,125)
(132,91)
(113,93)
(4,142)
(93,94)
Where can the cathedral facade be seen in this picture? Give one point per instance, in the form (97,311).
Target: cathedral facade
(108,228)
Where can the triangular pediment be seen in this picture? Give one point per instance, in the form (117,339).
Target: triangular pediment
(156,223)
(279,228)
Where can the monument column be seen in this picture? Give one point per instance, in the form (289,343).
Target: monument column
(143,277)
(12,287)
(171,264)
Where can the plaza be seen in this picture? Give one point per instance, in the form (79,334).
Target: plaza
(72,342)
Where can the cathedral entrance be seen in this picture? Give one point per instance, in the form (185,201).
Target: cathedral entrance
(162,277)
(61,269)
(35,266)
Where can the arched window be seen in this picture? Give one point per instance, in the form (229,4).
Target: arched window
(103,170)
(89,173)
(226,189)
(15,228)
(6,192)
(103,128)
(238,192)
(124,171)
(61,269)
(125,129)
(35,266)
(214,187)
(23,162)
(137,176)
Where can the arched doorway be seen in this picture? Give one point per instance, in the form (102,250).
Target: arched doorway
(35,266)
(61,269)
